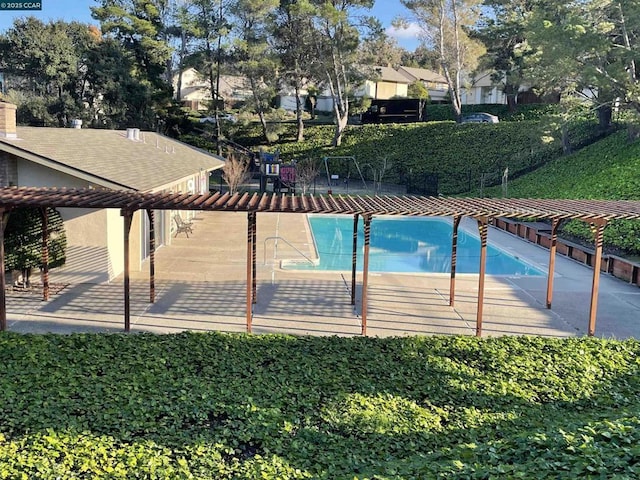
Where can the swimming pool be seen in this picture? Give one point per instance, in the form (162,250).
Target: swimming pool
(410,245)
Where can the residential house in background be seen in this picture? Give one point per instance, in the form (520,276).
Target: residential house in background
(196,94)
(435,83)
(481,90)
(109,159)
(389,83)
(384,83)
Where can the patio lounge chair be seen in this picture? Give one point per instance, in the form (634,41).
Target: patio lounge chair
(182,226)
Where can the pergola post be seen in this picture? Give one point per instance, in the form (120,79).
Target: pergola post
(552,259)
(365,271)
(483,228)
(251,219)
(598,230)
(128,219)
(454,259)
(254,243)
(354,258)
(3,299)
(45,253)
(152,256)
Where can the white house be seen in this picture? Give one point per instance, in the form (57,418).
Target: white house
(111,159)
(195,91)
(482,89)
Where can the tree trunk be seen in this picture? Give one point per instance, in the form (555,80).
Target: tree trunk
(566,142)
(605,113)
(511,92)
(341,125)
(299,110)
(183,51)
(263,124)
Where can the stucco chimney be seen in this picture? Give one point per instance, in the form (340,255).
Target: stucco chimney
(8,120)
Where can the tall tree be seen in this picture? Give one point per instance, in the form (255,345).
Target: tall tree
(183,29)
(119,99)
(336,41)
(378,48)
(588,48)
(46,63)
(502,30)
(211,27)
(293,41)
(445,24)
(422,57)
(255,57)
(139,26)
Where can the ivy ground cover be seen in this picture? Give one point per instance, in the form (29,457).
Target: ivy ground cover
(226,406)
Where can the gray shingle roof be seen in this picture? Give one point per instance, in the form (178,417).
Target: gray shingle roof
(108,155)
(388,74)
(423,74)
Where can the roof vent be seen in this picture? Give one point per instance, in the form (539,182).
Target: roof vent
(76,123)
(133,134)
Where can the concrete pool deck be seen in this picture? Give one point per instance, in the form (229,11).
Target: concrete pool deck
(201,286)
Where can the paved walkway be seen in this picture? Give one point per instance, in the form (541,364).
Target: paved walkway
(200,283)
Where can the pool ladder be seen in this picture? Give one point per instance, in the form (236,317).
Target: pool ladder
(276,238)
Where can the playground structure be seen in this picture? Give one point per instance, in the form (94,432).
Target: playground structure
(272,170)
(283,177)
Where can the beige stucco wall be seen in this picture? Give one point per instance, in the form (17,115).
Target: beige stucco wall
(88,259)
(115,242)
(95,238)
(383,90)
(33,175)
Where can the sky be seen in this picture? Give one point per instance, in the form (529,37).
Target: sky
(384,10)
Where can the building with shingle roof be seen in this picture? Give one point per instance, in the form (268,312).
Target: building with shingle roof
(386,83)
(435,83)
(111,159)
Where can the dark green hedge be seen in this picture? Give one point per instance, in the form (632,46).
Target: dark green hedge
(442,112)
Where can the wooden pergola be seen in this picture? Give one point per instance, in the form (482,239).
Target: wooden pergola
(595,212)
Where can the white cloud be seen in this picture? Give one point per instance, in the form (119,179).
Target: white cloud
(413,31)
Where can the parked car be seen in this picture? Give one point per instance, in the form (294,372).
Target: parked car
(480,117)
(229,117)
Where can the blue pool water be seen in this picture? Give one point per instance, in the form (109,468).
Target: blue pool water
(417,245)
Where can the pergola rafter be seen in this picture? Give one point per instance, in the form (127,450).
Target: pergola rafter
(595,212)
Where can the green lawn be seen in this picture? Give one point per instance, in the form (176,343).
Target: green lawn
(226,406)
